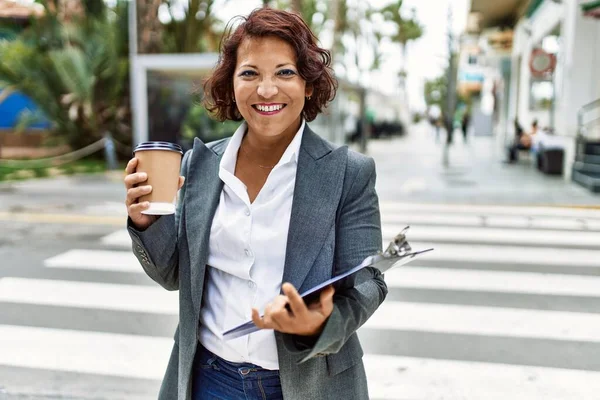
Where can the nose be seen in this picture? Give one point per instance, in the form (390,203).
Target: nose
(267,89)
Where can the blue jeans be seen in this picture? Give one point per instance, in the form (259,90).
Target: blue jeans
(217,379)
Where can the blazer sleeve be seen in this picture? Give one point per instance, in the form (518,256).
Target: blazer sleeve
(156,247)
(358,236)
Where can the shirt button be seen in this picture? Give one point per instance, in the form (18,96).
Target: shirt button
(247,252)
(247,213)
(251,284)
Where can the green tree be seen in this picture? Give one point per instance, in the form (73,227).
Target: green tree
(434,91)
(198,31)
(407,30)
(74,66)
(313,12)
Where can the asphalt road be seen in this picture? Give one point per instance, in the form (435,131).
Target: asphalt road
(506,307)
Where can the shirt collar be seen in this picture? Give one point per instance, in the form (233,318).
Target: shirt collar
(229,156)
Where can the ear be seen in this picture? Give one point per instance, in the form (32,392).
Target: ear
(309,91)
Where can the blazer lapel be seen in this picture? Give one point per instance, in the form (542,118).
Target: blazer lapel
(317,193)
(201,199)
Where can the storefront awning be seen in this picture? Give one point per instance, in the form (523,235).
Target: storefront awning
(492,13)
(591,8)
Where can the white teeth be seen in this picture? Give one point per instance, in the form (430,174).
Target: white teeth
(269,108)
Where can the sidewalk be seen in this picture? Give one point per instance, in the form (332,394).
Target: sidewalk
(410,170)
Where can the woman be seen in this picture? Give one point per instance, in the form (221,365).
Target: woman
(262,216)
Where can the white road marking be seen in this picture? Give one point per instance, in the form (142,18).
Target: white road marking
(486,321)
(493,221)
(105,296)
(404,378)
(491,209)
(550,256)
(104,260)
(129,356)
(498,236)
(119,238)
(493,281)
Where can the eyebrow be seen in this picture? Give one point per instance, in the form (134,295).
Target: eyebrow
(255,67)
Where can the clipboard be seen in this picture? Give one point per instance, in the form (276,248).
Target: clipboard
(398,253)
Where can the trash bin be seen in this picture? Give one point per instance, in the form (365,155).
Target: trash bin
(550,161)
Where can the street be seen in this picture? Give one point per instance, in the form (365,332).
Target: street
(506,307)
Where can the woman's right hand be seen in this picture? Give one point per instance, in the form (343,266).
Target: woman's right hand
(133,183)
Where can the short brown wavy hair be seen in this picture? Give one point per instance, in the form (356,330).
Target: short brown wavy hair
(313,62)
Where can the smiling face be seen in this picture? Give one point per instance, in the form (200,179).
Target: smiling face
(268,89)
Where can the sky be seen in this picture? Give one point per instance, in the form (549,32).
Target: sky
(427,57)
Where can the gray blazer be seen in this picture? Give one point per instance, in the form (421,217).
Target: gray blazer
(334,225)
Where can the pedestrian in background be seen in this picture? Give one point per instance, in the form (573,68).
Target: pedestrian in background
(522,140)
(435,119)
(273,204)
(465,122)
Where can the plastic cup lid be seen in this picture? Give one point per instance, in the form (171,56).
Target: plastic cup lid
(158,146)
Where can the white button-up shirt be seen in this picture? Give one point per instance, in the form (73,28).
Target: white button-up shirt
(246,255)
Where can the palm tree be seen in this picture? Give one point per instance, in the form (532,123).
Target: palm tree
(76,73)
(196,32)
(338,12)
(407,30)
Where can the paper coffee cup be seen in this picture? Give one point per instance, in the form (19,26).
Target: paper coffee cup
(161,161)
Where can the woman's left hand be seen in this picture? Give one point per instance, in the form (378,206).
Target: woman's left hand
(298,319)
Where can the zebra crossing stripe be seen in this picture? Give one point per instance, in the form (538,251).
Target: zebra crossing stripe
(492,221)
(474,234)
(105,296)
(104,260)
(493,281)
(489,210)
(422,378)
(389,377)
(100,353)
(390,315)
(487,321)
(119,238)
(497,236)
(549,256)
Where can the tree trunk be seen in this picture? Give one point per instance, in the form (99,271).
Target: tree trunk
(404,74)
(336,17)
(191,29)
(148,26)
(297,6)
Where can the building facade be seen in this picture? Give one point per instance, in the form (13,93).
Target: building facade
(550,72)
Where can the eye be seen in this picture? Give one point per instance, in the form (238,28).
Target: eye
(286,72)
(247,73)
